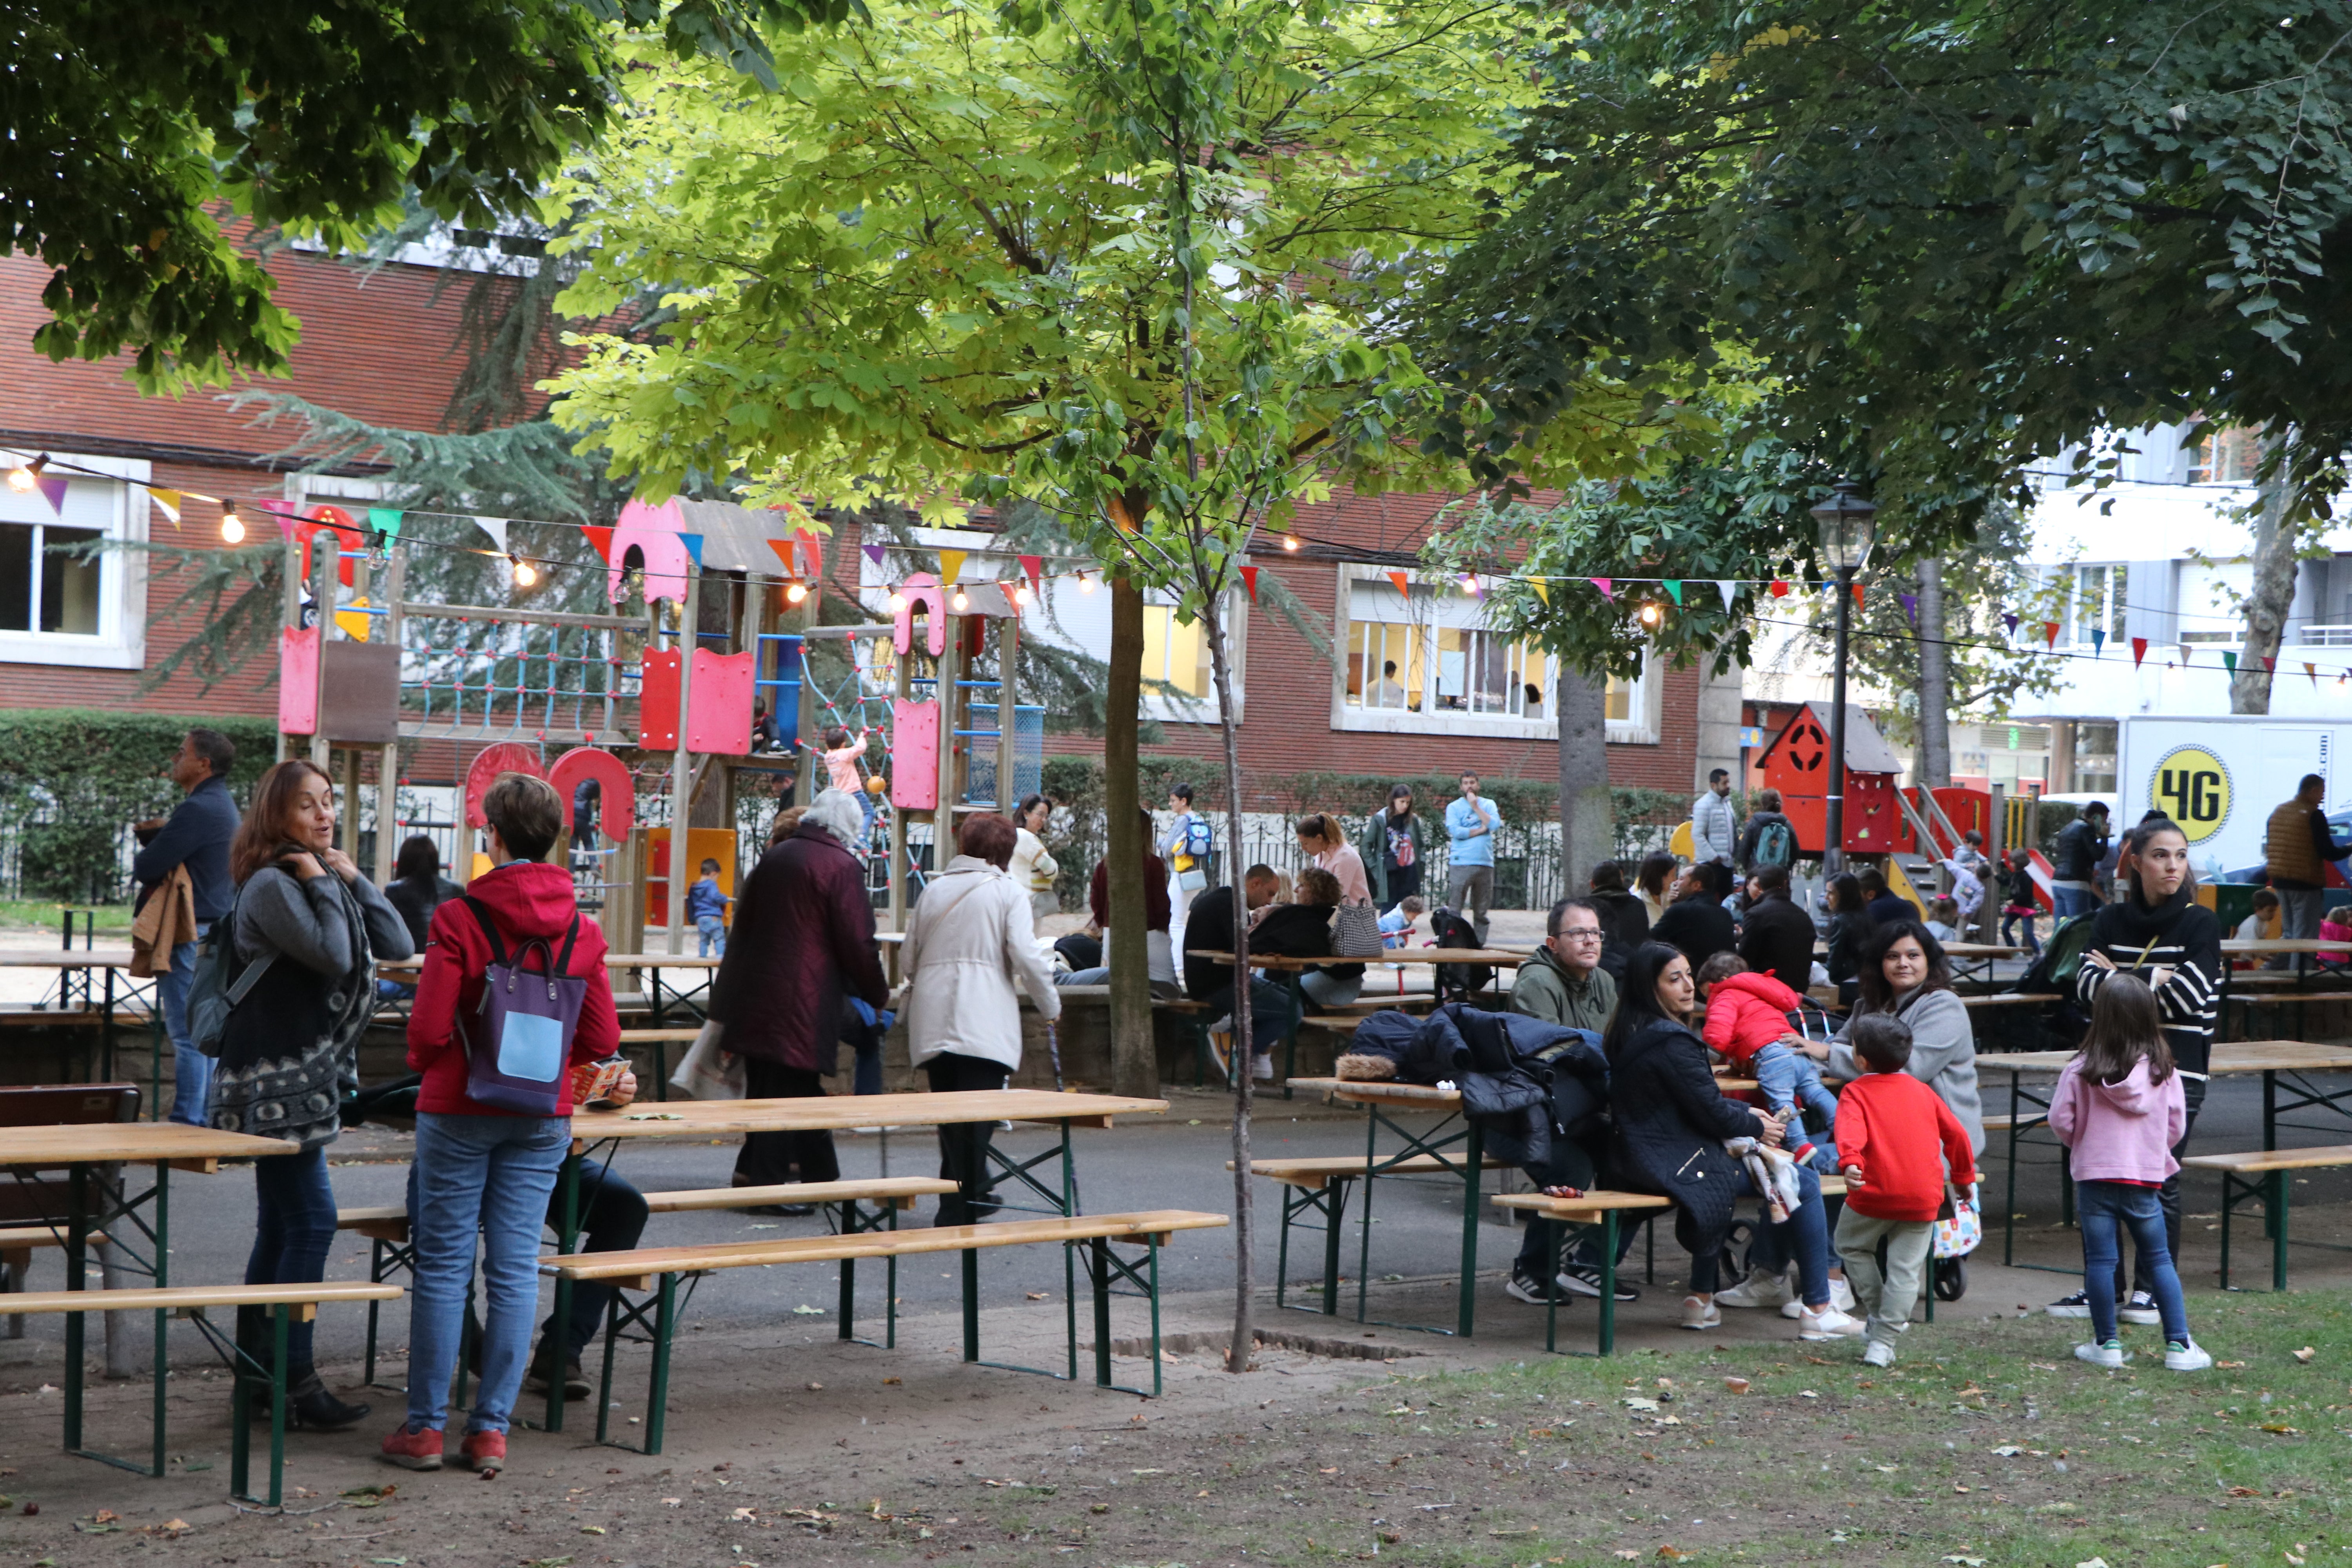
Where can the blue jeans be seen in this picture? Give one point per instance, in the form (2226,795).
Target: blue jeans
(611,1216)
(2104,1209)
(713,932)
(2011,918)
(1806,1233)
(293,1229)
(1791,1078)
(191,1070)
(491,1175)
(2066,901)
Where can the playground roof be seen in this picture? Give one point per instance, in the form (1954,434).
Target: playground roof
(735,538)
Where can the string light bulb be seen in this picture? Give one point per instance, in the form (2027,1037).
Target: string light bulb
(232,526)
(795,591)
(525,573)
(1085,583)
(24,476)
(1469,585)
(960,603)
(1651,613)
(898,602)
(1290,542)
(1021,595)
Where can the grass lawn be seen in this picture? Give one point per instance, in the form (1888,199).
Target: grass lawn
(1988,1444)
(26,913)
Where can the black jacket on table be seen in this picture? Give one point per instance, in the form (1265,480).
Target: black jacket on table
(2179,934)
(1672,1121)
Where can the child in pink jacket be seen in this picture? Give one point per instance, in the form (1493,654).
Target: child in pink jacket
(1746,1021)
(2119,1110)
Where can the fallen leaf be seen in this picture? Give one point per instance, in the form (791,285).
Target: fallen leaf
(592,1530)
(1734,1386)
(887,1381)
(1957,1486)
(2281,1427)
(808,1312)
(1639,1404)
(674,1501)
(2306,1353)
(1035,1295)
(378,1492)
(1392,1537)
(1887,1469)
(1807,1393)
(1672,1554)
(1628,1553)
(2230,1366)
(1965,1562)
(2008,1450)
(2244,1491)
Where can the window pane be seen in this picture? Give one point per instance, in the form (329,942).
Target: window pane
(1452,669)
(16,576)
(1617,701)
(69,583)
(1177,654)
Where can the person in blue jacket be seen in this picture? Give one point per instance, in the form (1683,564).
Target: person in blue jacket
(1470,823)
(196,836)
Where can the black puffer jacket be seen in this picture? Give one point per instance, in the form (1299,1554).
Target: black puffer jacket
(1624,926)
(1672,1121)
(1523,1081)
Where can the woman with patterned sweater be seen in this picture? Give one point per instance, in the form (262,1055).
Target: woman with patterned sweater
(2160,932)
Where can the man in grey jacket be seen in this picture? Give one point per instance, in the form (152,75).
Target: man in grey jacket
(1714,830)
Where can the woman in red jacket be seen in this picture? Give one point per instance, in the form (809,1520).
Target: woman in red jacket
(482,1170)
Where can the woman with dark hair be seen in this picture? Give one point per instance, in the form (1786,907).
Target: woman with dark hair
(1850,929)
(1394,846)
(2159,932)
(1624,924)
(1906,976)
(289,1053)
(417,886)
(1653,883)
(1672,1124)
(1031,869)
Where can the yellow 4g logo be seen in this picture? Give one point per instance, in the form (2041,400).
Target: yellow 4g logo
(2192,785)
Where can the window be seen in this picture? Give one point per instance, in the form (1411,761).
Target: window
(2094,755)
(2098,603)
(1424,661)
(62,601)
(1175,653)
(2226,458)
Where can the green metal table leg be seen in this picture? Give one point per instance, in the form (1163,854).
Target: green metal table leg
(162,1319)
(567,1236)
(1335,1207)
(2229,1203)
(2278,1198)
(1098,1270)
(2009,1208)
(2269,1112)
(77,1234)
(281,1316)
(1607,1340)
(1473,1160)
(665,1326)
(971,1304)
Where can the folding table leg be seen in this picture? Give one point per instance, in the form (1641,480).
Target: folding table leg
(1607,1341)
(1099,1275)
(657,1397)
(2277,1205)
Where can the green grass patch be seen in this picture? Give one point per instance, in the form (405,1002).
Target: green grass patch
(20,913)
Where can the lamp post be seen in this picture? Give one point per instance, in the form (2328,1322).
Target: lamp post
(1845,520)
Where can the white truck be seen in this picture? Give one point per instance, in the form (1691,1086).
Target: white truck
(2222,778)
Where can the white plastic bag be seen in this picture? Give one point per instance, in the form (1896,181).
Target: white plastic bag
(708,1072)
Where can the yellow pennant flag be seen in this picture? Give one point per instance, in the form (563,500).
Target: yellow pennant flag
(1542,592)
(950,566)
(167,502)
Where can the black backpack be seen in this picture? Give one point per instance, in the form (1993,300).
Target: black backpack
(1458,982)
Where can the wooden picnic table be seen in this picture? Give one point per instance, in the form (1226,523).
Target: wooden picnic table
(78,992)
(2314,957)
(1493,957)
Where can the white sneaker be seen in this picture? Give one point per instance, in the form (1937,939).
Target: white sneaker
(1262,1067)
(1878,1353)
(2187,1356)
(1841,1294)
(1762,1287)
(1829,1323)
(2109,1355)
(1700,1314)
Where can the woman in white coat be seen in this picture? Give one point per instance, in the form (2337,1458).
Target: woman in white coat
(972,941)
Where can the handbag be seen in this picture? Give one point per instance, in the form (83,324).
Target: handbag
(708,1071)
(1962,1232)
(521,1036)
(218,984)
(1356,931)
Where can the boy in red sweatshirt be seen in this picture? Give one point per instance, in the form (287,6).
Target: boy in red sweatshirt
(1896,1142)
(1748,1022)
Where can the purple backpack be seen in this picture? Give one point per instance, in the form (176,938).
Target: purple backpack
(516,1050)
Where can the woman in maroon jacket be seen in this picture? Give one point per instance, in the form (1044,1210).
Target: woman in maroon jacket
(480,1170)
(804,940)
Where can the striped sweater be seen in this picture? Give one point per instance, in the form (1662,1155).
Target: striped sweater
(2179,935)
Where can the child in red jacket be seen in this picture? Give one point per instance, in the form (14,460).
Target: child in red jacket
(1747,1021)
(1898,1144)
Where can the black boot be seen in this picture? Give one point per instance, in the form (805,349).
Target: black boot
(310,1408)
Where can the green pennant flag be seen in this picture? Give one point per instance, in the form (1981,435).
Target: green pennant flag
(1674,589)
(383,519)
(2230,661)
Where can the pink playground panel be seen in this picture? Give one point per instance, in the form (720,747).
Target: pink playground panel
(298,680)
(915,754)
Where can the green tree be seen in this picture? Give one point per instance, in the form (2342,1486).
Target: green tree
(149,143)
(1135,266)
(1950,237)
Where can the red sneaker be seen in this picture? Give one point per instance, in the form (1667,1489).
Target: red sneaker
(412,1451)
(485,1452)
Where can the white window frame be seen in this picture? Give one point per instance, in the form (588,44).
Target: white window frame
(1642,727)
(121,642)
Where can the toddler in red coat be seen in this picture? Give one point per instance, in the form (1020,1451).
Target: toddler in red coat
(1748,1022)
(1898,1144)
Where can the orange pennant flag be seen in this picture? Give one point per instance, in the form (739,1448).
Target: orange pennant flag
(1403,588)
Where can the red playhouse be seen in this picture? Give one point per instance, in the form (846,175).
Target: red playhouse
(1880,819)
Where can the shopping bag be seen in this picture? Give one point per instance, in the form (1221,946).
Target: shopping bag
(1961,1232)
(707,1072)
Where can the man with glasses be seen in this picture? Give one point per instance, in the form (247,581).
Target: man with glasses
(1564,983)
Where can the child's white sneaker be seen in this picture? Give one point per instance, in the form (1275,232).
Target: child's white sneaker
(2187,1355)
(1700,1314)
(2109,1355)
(1841,1294)
(1829,1323)
(1262,1067)
(1878,1353)
(1762,1287)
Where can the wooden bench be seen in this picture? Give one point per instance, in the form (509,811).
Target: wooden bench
(652,1273)
(1319,1186)
(16,1247)
(386,1226)
(288,1304)
(2262,1174)
(1595,1207)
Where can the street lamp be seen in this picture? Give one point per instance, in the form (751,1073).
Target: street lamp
(1845,520)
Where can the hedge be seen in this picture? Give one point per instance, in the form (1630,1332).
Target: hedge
(73,779)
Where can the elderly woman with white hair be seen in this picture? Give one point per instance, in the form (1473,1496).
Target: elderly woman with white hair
(803,944)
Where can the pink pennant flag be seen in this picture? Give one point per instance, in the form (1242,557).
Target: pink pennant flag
(1606,586)
(1035,565)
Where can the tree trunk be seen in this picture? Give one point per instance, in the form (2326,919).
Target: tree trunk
(1935,679)
(1586,827)
(1135,1068)
(1237,1356)
(2272,596)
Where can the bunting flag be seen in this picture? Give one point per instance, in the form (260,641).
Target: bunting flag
(950,566)
(2009,623)
(600,540)
(1780,588)
(1857,595)
(1035,565)
(286,521)
(2312,671)
(2098,642)
(1674,588)
(2270,665)
(2139,650)
(53,486)
(1911,608)
(693,543)
(808,555)
(167,502)
(1403,588)
(1543,590)
(385,520)
(788,553)
(2049,634)
(1249,578)
(2184,656)
(2230,661)
(1607,586)
(876,554)
(1729,590)
(496,527)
